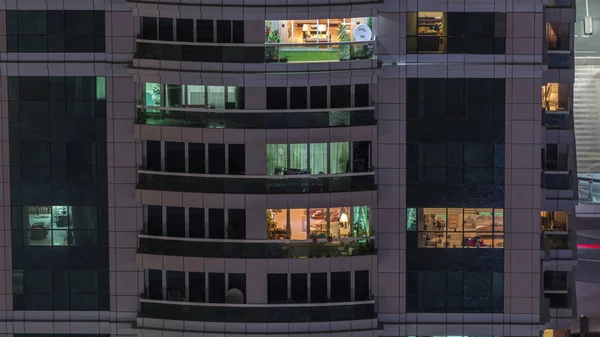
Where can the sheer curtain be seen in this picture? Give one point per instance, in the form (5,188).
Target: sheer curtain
(195,95)
(299,156)
(277,156)
(216,96)
(318,158)
(339,157)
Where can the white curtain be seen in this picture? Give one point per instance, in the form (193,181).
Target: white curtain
(216,96)
(299,156)
(339,157)
(277,155)
(318,158)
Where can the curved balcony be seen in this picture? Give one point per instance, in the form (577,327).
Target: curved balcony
(255,119)
(256,184)
(254,53)
(258,313)
(255,249)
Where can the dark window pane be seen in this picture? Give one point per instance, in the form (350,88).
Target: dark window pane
(175,285)
(149,28)
(216,288)
(236,224)
(175,221)
(361,156)
(79,22)
(56,23)
(298,97)
(318,288)
(340,287)
(341,96)
(224,31)
(238,31)
(32,22)
(299,285)
(153,156)
(236,281)
(185,30)
(361,95)
(277,287)
(165,29)
(197,157)
(196,223)
(155,284)
(174,157)
(361,285)
(204,30)
(216,223)
(276,98)
(318,97)
(197,287)
(456,23)
(237,159)
(216,158)
(155,220)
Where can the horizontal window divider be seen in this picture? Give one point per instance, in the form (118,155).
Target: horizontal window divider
(559,51)
(556,172)
(273,177)
(249,306)
(546,232)
(243,241)
(556,112)
(565,292)
(191,109)
(243,45)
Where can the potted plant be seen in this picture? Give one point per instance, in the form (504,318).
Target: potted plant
(344,36)
(272,52)
(314,238)
(329,238)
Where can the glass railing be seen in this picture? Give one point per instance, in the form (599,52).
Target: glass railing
(255,249)
(557,120)
(254,53)
(560,3)
(559,60)
(259,119)
(247,184)
(257,313)
(558,240)
(557,180)
(589,188)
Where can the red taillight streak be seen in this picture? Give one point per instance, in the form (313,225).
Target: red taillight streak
(588,246)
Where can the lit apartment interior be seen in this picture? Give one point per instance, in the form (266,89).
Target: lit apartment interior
(555,97)
(558,35)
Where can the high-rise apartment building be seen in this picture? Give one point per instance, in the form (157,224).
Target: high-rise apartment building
(275,167)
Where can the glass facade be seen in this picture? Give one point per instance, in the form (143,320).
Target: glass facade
(58,157)
(73,31)
(455,191)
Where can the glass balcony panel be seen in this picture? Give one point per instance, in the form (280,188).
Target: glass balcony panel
(560,3)
(559,60)
(557,180)
(558,241)
(292,313)
(559,121)
(269,53)
(254,120)
(276,249)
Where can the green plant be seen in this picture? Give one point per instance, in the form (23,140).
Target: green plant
(273,51)
(370,23)
(344,36)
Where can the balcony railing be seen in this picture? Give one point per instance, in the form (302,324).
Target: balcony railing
(559,59)
(256,184)
(557,180)
(558,240)
(255,119)
(254,53)
(255,249)
(557,119)
(257,313)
